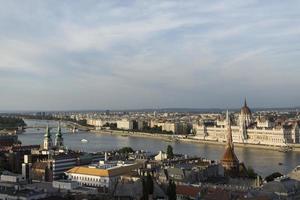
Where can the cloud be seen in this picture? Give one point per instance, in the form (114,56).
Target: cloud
(126,54)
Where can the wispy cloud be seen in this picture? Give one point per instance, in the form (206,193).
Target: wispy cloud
(125,54)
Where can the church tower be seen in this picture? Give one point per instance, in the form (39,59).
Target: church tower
(59,141)
(230,161)
(47,139)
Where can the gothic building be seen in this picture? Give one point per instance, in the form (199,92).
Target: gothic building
(247,130)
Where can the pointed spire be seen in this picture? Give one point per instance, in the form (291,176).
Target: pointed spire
(228,118)
(58,138)
(47,133)
(47,139)
(229,131)
(58,130)
(245,102)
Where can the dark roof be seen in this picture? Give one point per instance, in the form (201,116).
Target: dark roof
(187,190)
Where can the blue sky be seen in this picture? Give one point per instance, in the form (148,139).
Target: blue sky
(147,54)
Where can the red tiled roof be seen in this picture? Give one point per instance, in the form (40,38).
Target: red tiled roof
(186,190)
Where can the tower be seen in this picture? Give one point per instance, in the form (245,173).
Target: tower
(230,161)
(59,141)
(47,139)
(245,115)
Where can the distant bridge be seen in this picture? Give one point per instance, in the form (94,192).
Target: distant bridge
(68,126)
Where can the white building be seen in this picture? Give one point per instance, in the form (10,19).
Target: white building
(247,131)
(165,125)
(103,175)
(65,184)
(11,177)
(125,124)
(161,156)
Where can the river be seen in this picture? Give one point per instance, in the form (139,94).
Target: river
(263,161)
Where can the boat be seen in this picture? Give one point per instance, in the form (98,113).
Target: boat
(84,140)
(285,149)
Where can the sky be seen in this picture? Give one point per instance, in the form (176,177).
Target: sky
(73,55)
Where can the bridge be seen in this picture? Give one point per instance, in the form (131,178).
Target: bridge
(72,127)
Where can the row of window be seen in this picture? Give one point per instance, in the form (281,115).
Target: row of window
(81,178)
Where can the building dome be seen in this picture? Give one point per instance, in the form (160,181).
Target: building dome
(245,110)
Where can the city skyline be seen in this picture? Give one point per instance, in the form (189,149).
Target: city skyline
(123,55)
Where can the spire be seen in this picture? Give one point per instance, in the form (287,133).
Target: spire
(58,134)
(47,133)
(228,118)
(47,139)
(58,137)
(245,102)
(229,131)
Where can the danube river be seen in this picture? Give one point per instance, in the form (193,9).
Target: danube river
(263,161)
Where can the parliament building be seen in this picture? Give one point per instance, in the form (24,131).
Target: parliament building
(247,130)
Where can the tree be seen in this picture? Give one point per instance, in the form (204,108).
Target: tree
(271,177)
(170,154)
(126,150)
(171,190)
(251,173)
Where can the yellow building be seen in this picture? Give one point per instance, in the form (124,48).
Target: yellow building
(104,175)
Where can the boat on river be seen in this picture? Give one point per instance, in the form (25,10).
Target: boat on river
(84,140)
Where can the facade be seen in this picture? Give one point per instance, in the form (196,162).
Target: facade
(246,130)
(41,171)
(103,175)
(11,177)
(175,127)
(61,163)
(165,125)
(125,124)
(64,184)
(161,156)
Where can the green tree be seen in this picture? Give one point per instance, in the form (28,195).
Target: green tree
(271,177)
(126,150)
(251,173)
(170,154)
(171,190)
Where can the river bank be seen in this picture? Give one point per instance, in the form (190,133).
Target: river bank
(169,138)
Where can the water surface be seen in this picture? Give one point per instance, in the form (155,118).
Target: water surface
(263,161)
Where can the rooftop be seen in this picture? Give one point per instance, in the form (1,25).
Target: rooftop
(113,171)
